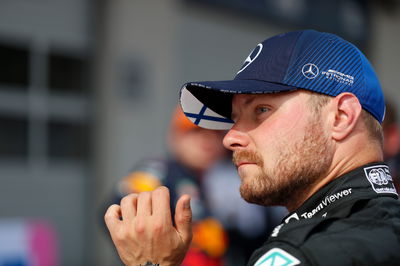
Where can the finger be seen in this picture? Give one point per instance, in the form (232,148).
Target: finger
(144,204)
(183,218)
(161,205)
(111,217)
(128,206)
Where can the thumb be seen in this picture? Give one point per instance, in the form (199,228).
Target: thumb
(183,218)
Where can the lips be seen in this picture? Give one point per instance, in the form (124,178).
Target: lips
(242,157)
(243,163)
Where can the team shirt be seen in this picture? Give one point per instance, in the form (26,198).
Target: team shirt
(353,220)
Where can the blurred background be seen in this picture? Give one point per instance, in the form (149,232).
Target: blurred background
(87,88)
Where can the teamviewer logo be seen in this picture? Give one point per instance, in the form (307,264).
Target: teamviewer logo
(310,71)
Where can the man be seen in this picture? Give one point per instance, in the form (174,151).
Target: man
(306,109)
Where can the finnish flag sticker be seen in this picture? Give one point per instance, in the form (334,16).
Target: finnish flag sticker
(201,115)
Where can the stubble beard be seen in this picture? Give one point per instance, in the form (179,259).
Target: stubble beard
(297,167)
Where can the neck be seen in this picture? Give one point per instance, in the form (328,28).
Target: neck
(342,163)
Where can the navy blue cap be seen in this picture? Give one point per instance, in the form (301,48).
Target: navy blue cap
(311,60)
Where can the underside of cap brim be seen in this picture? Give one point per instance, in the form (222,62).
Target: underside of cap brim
(209,104)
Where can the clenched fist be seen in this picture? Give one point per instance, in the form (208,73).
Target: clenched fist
(142,229)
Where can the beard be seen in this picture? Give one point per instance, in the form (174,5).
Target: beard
(297,166)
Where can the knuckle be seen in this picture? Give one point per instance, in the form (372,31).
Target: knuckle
(186,218)
(140,227)
(120,236)
(128,199)
(109,213)
(107,217)
(144,195)
(158,227)
(123,235)
(129,235)
(131,196)
(124,200)
(162,189)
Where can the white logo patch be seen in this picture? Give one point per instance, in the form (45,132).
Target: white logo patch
(380,179)
(276,230)
(277,257)
(310,71)
(252,56)
(327,201)
(293,216)
(338,77)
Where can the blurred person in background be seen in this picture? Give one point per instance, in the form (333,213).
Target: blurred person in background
(391,144)
(192,151)
(197,165)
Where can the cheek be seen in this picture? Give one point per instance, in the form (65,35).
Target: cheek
(289,127)
(277,137)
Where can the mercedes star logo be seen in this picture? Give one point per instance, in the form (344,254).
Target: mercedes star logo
(310,71)
(252,56)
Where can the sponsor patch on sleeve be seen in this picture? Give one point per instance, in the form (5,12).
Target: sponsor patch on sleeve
(277,257)
(380,179)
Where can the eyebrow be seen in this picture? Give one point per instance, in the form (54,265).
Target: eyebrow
(250,100)
(246,102)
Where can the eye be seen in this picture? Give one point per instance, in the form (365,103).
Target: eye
(261,110)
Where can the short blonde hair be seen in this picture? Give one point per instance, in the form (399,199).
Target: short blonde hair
(374,128)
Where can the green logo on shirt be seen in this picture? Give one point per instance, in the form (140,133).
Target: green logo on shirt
(277,257)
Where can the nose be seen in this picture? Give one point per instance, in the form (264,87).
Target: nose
(235,139)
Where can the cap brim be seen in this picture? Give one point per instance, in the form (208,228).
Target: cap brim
(208,104)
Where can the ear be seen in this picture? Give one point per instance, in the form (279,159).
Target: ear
(347,110)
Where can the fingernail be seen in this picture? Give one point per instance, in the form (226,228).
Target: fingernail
(186,205)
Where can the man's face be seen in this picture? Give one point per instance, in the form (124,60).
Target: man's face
(279,146)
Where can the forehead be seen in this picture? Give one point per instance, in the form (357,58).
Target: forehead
(285,110)
(242,100)
(292,103)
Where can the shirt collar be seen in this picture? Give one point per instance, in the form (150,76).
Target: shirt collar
(369,181)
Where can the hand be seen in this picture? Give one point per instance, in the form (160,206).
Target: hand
(146,232)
